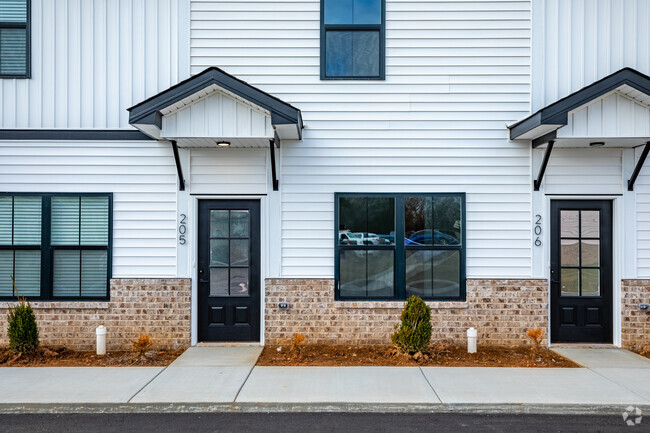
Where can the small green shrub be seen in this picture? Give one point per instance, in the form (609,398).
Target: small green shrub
(22,329)
(414,333)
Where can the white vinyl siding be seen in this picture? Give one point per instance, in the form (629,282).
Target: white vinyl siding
(92,59)
(228,171)
(456,74)
(142,177)
(596,171)
(642,194)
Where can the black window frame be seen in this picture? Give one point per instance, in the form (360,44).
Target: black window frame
(47,249)
(381,28)
(399,269)
(27,25)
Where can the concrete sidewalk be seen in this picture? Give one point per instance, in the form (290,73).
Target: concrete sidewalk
(225,378)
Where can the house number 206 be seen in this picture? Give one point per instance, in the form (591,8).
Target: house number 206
(182,229)
(538,230)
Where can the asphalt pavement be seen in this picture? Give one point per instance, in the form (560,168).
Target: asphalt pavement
(314,423)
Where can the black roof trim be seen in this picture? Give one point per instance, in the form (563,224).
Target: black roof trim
(557,112)
(281,112)
(73,134)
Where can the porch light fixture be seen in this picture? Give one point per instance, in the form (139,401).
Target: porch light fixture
(597,144)
(223,143)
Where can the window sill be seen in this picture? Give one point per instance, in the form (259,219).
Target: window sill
(398,305)
(61,305)
(353,78)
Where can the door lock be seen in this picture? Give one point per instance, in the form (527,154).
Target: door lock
(201,280)
(554,281)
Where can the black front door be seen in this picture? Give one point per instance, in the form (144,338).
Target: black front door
(581,271)
(229,270)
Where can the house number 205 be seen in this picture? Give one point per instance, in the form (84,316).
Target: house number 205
(538,230)
(182,229)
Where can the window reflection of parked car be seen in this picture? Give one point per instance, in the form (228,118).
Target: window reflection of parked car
(348,238)
(429,237)
(356,238)
(387,239)
(371,239)
(359,238)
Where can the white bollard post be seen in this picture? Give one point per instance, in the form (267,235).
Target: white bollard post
(471,340)
(101,340)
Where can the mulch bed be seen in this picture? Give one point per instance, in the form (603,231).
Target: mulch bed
(436,356)
(62,357)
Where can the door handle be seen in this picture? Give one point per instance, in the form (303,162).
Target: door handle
(552,280)
(201,280)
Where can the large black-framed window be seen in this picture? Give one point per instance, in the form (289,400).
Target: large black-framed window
(15,38)
(392,246)
(352,42)
(57,246)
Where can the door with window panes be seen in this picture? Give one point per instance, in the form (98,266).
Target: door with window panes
(229,270)
(581,271)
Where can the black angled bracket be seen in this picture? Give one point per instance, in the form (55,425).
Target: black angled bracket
(544,139)
(179,169)
(542,169)
(273,173)
(639,165)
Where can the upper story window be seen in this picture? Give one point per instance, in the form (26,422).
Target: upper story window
(56,246)
(14,39)
(392,246)
(352,39)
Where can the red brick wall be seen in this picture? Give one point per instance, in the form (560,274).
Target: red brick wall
(158,307)
(635,324)
(501,310)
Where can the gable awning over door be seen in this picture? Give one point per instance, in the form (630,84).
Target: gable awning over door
(214,104)
(214,107)
(556,115)
(612,112)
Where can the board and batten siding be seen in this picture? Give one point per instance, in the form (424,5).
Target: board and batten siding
(141,175)
(574,44)
(93,59)
(456,73)
(578,42)
(612,115)
(217,114)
